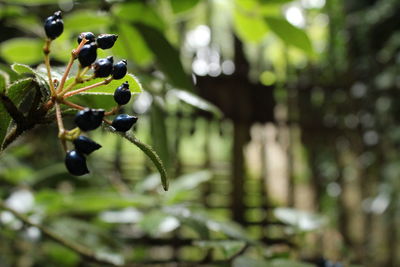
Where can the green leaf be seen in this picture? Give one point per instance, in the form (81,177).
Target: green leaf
(138,12)
(290,34)
(159,133)
(245,261)
(136,51)
(108,89)
(301,220)
(150,153)
(288,263)
(249,27)
(179,6)
(196,101)
(167,56)
(16,92)
(87,20)
(40,74)
(37,2)
(22,69)
(157,222)
(88,201)
(204,221)
(24,50)
(183,186)
(4,80)
(229,247)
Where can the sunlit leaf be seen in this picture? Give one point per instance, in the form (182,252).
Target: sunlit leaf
(179,6)
(108,89)
(204,221)
(88,201)
(136,50)
(167,56)
(301,220)
(87,20)
(138,12)
(184,185)
(36,2)
(157,222)
(229,247)
(290,34)
(196,101)
(23,50)
(249,27)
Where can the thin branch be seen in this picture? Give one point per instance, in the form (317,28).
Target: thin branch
(74,54)
(46,50)
(83,89)
(60,124)
(12,109)
(72,105)
(81,250)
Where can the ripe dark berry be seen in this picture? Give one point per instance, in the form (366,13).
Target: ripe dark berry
(123,122)
(103,67)
(106,41)
(122,95)
(85,145)
(119,69)
(54,25)
(88,36)
(76,163)
(88,54)
(89,119)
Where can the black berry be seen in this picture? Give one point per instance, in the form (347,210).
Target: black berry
(89,119)
(88,36)
(123,122)
(106,41)
(54,25)
(88,54)
(85,145)
(122,95)
(76,163)
(103,67)
(119,69)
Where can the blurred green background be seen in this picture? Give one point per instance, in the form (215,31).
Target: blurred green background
(276,120)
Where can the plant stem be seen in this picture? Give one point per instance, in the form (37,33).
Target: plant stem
(74,54)
(46,50)
(61,129)
(80,90)
(72,105)
(65,75)
(81,250)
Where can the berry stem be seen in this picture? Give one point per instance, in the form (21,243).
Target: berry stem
(107,121)
(72,105)
(113,111)
(83,89)
(46,51)
(60,124)
(74,54)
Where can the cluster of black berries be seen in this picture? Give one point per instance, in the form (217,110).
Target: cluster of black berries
(89,119)
(102,67)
